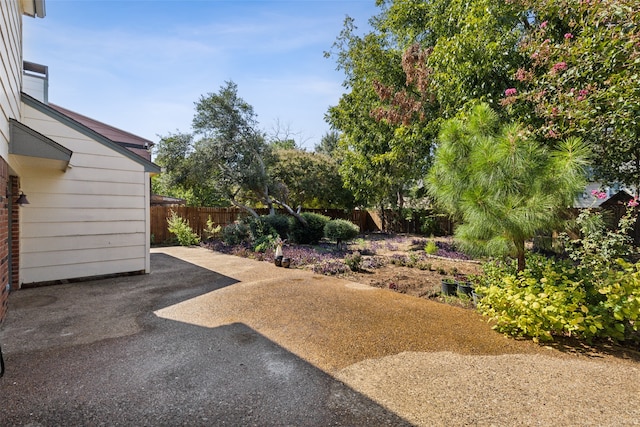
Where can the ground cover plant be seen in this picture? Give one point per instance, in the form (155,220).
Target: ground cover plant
(396,262)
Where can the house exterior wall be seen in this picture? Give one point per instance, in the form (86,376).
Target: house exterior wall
(10,74)
(34,86)
(89,220)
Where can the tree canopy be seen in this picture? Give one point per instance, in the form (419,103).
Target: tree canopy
(582,78)
(229,160)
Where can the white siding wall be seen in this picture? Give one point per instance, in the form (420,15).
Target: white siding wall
(91,219)
(34,86)
(10,68)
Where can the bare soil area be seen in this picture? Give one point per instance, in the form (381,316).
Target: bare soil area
(423,279)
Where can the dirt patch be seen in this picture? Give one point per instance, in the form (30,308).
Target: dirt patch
(414,281)
(402,265)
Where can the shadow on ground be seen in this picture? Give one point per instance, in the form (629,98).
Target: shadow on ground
(93,353)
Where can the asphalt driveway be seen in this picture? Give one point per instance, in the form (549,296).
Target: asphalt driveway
(214,340)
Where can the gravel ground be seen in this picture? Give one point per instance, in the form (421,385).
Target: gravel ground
(430,363)
(445,388)
(240,342)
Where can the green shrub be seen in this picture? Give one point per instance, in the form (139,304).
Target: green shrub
(236,233)
(429,226)
(354,261)
(180,228)
(210,230)
(431,248)
(340,230)
(310,234)
(594,294)
(280,223)
(258,228)
(553,297)
(265,242)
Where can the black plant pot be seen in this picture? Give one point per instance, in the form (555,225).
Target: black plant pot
(286,262)
(278,261)
(464,288)
(449,287)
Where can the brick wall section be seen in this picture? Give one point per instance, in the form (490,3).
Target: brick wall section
(4,238)
(14,182)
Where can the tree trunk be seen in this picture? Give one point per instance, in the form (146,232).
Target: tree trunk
(245,207)
(383,218)
(520,253)
(402,225)
(292,212)
(269,200)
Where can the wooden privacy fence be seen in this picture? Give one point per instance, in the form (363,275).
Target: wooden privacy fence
(197,218)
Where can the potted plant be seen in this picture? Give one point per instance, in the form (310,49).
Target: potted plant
(449,287)
(463,286)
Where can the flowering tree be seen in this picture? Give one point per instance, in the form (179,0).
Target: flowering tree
(583,79)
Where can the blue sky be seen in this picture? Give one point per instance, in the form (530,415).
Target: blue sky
(140,65)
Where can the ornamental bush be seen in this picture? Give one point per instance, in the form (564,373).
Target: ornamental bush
(554,299)
(340,230)
(259,228)
(235,234)
(354,261)
(312,232)
(280,223)
(594,294)
(181,229)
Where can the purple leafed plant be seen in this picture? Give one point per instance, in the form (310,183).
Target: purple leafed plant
(448,250)
(330,267)
(373,263)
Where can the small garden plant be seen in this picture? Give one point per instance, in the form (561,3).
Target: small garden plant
(341,231)
(181,229)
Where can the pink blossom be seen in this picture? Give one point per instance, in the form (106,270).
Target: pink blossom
(555,111)
(521,75)
(510,92)
(544,24)
(559,67)
(568,36)
(582,94)
(633,202)
(599,194)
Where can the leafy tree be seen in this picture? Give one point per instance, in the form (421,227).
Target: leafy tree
(380,160)
(500,183)
(180,179)
(230,162)
(456,52)
(581,79)
(287,144)
(328,144)
(308,180)
(421,62)
(233,152)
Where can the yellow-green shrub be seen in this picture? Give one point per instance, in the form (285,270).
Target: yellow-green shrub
(553,298)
